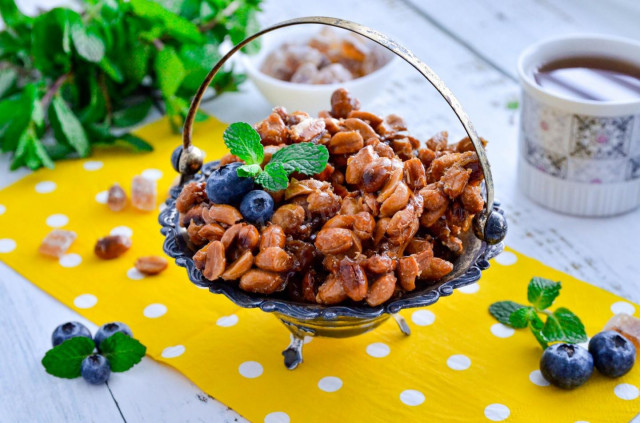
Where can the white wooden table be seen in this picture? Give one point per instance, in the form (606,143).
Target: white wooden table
(473,45)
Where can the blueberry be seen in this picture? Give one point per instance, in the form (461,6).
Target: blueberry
(613,354)
(257,206)
(95,369)
(566,366)
(224,186)
(69,330)
(109,329)
(175,158)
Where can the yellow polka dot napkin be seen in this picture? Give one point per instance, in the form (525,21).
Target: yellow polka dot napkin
(458,365)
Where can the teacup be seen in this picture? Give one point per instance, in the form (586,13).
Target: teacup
(578,156)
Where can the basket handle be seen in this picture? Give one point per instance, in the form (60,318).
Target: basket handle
(192,161)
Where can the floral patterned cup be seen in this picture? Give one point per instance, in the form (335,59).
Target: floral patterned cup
(580,157)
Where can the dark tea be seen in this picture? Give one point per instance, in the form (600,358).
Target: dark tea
(591,78)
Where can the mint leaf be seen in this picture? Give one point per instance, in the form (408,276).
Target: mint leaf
(247,171)
(244,141)
(122,351)
(541,292)
(520,318)
(134,142)
(65,360)
(86,40)
(564,326)
(169,71)
(305,157)
(132,115)
(273,178)
(501,310)
(537,333)
(67,127)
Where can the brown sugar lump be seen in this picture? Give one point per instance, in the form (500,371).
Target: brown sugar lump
(57,242)
(143,194)
(116,198)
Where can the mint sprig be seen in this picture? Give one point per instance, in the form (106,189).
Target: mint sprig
(244,142)
(560,326)
(122,351)
(65,360)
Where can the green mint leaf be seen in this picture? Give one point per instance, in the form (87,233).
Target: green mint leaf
(132,115)
(134,142)
(65,360)
(564,326)
(174,24)
(247,171)
(520,318)
(8,78)
(122,351)
(273,178)
(169,71)
(537,333)
(244,141)
(305,157)
(111,69)
(501,310)
(67,127)
(86,40)
(542,292)
(11,15)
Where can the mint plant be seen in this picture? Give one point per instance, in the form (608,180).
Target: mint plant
(561,325)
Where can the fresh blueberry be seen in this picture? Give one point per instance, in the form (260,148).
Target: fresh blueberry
(613,354)
(69,330)
(257,206)
(109,329)
(224,186)
(175,158)
(95,369)
(566,366)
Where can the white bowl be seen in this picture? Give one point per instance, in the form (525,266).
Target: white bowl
(311,98)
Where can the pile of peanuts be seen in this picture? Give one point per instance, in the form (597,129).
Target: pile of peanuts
(385,214)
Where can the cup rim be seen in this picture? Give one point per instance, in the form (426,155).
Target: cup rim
(571,103)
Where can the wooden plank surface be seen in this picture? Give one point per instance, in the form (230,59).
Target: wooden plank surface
(472,45)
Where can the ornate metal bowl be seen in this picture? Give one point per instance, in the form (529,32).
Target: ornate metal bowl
(339,321)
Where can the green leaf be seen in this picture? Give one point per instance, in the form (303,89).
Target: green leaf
(8,78)
(132,115)
(11,15)
(135,142)
(247,171)
(67,127)
(50,42)
(542,292)
(25,109)
(96,110)
(65,360)
(87,41)
(305,157)
(136,67)
(273,178)
(564,326)
(111,69)
(501,310)
(537,333)
(122,351)
(169,71)
(173,24)
(520,318)
(244,141)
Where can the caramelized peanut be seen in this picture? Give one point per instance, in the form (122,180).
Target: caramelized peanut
(396,201)
(358,163)
(472,199)
(231,234)
(274,259)
(364,225)
(261,281)
(225,214)
(289,217)
(272,236)
(331,291)
(380,264)
(381,289)
(248,237)
(151,265)
(376,174)
(438,268)
(354,280)
(239,267)
(200,257)
(414,174)
(333,240)
(370,118)
(342,103)
(346,143)
(408,270)
(216,261)
(454,180)
(272,130)
(362,127)
(211,232)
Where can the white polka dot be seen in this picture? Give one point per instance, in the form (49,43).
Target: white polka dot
(173,352)
(250,369)
(102,197)
(423,317)
(57,220)
(227,321)
(582,421)
(502,331)
(122,230)
(506,258)
(134,274)
(154,311)
(277,417)
(70,260)
(330,384)
(626,391)
(85,301)
(537,379)
(459,362)
(7,245)
(45,187)
(92,165)
(623,307)
(2,209)
(496,412)
(469,289)
(412,397)
(153,174)
(378,350)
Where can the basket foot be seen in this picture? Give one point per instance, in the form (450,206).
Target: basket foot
(402,324)
(293,353)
